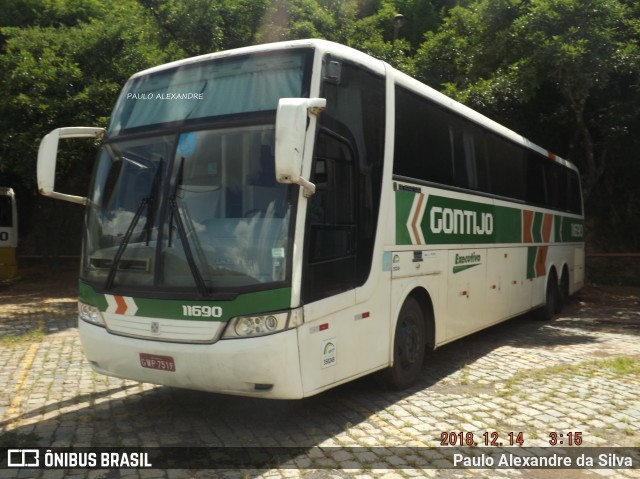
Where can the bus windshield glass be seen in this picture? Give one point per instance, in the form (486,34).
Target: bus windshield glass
(202,90)
(199,210)
(184,195)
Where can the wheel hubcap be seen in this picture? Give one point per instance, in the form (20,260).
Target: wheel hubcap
(409,344)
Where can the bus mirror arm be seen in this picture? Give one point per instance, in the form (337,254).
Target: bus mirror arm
(291,130)
(309,188)
(47,158)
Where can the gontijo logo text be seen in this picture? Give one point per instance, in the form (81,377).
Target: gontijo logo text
(457,221)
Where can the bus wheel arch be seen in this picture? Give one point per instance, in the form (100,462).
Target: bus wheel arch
(414,335)
(424,299)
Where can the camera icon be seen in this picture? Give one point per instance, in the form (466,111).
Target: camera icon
(23,458)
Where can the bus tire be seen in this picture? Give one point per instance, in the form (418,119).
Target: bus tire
(408,346)
(563,292)
(548,309)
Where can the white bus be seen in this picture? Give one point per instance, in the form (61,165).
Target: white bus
(8,234)
(276,220)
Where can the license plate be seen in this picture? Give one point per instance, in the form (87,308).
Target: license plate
(153,361)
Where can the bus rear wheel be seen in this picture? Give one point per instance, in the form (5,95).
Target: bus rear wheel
(546,312)
(563,292)
(408,346)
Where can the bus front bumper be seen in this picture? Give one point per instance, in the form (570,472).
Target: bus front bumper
(266,366)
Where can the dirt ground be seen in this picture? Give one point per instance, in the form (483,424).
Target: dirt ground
(35,282)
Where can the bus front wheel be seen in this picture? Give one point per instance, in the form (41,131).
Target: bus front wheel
(408,346)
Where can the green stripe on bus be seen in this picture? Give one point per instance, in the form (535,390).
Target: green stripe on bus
(532,251)
(508,225)
(458,221)
(404,201)
(458,269)
(247,303)
(557,228)
(536,231)
(572,230)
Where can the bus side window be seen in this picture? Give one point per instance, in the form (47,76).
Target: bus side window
(507,167)
(424,142)
(574,196)
(470,168)
(536,182)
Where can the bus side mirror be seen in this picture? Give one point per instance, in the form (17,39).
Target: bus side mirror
(291,129)
(47,157)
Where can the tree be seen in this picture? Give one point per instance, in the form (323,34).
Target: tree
(565,73)
(568,65)
(64,71)
(298,19)
(204,26)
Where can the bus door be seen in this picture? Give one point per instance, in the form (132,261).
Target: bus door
(344,334)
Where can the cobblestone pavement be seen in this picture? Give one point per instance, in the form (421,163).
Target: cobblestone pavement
(578,373)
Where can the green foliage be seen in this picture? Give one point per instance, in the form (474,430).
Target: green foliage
(203,26)
(45,13)
(64,67)
(52,76)
(296,19)
(563,70)
(565,73)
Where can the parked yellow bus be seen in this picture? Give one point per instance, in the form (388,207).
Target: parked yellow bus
(8,234)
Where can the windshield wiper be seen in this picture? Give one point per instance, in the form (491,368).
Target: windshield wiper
(182,233)
(125,241)
(147,201)
(152,199)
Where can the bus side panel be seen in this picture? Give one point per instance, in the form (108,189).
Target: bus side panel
(538,291)
(554,260)
(507,288)
(573,257)
(413,270)
(341,339)
(466,295)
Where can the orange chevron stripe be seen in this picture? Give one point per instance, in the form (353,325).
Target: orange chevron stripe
(527,223)
(547,223)
(414,221)
(122,305)
(541,261)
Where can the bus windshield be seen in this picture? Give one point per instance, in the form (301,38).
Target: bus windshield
(202,90)
(184,195)
(198,210)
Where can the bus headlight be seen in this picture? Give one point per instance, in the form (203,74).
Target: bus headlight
(90,314)
(262,324)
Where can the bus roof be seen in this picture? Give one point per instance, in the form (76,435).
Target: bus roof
(377,66)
